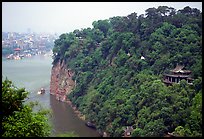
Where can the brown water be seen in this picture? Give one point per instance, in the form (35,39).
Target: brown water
(64,119)
(34,73)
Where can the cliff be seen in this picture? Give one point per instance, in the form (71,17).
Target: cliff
(61,82)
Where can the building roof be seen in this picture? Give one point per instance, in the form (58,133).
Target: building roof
(17,49)
(179,68)
(173,75)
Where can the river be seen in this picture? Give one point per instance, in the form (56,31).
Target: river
(34,73)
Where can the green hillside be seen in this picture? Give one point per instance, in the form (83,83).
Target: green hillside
(119,64)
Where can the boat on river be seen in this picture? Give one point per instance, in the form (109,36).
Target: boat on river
(41,91)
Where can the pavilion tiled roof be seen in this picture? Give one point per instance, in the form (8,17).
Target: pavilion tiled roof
(179,68)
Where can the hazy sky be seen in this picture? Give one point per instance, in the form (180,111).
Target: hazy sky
(60,17)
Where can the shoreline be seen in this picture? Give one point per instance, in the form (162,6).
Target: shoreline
(76,111)
(82,117)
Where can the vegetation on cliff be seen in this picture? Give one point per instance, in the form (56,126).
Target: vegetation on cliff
(118,67)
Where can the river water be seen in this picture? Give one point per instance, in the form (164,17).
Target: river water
(34,73)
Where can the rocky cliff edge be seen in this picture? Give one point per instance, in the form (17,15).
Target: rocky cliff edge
(61,83)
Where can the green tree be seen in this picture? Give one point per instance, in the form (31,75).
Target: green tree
(18,118)
(102,25)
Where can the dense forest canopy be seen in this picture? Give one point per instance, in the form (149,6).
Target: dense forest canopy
(119,64)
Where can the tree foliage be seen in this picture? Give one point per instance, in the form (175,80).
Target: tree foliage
(18,118)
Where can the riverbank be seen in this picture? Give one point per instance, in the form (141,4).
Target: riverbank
(83,117)
(76,111)
(66,119)
(74,108)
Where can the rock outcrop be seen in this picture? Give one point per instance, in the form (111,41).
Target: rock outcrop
(61,82)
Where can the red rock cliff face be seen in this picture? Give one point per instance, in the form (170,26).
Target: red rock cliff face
(61,82)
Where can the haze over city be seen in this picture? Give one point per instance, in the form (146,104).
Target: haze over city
(60,17)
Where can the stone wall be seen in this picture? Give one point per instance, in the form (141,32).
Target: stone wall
(61,82)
